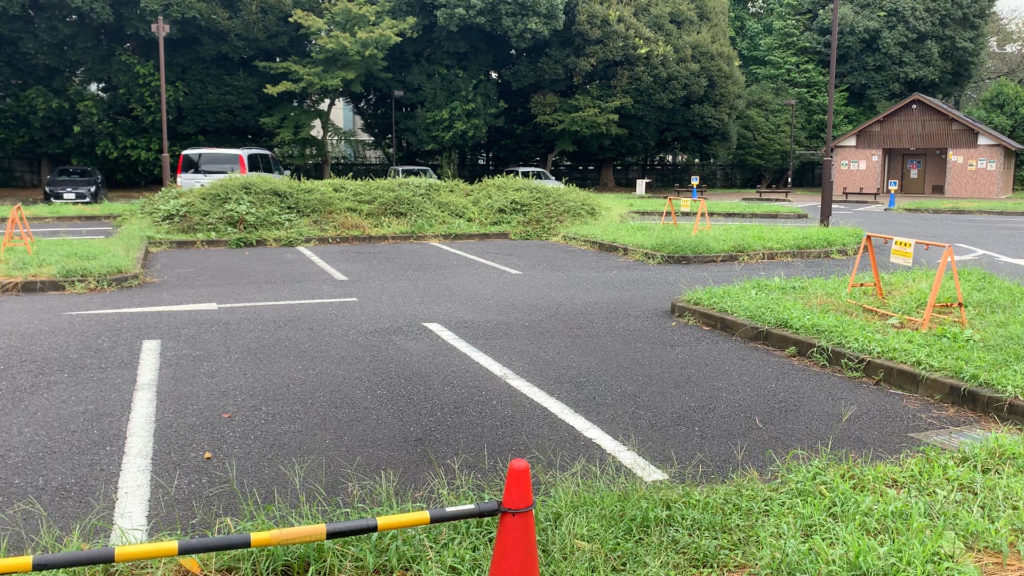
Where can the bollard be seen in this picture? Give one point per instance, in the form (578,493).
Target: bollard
(515,546)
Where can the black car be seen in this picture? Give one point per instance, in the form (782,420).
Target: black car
(75,184)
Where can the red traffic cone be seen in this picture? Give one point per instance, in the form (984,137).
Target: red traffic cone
(515,547)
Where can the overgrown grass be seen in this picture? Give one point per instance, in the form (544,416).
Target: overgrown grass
(93,259)
(923,514)
(989,352)
(721,239)
(282,211)
(618,204)
(59,210)
(964,204)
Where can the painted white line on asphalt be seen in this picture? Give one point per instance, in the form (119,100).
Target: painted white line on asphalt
(476,258)
(1000,257)
(630,459)
(807,205)
(326,267)
(872,208)
(131,509)
(210,306)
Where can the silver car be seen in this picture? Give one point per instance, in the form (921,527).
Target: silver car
(538,175)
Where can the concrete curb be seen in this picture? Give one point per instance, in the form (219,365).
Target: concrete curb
(39,285)
(766,216)
(662,258)
(899,376)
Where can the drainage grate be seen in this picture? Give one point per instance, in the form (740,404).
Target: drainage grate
(953,438)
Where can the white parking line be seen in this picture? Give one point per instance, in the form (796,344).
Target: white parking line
(1000,257)
(476,258)
(871,208)
(210,306)
(326,267)
(131,509)
(630,459)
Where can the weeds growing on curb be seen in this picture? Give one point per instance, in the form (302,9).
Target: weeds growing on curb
(989,352)
(922,514)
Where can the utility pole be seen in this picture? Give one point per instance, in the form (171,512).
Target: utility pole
(161,30)
(827,174)
(394,94)
(792,124)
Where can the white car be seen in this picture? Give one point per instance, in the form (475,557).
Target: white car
(538,175)
(411,172)
(198,167)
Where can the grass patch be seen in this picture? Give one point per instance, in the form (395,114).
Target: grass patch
(284,212)
(89,260)
(929,513)
(721,239)
(68,210)
(967,204)
(618,204)
(990,352)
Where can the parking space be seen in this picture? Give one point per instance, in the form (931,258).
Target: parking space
(354,376)
(84,230)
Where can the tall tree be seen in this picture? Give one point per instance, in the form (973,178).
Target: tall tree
(627,80)
(346,42)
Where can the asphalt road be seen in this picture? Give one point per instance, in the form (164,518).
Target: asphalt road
(278,369)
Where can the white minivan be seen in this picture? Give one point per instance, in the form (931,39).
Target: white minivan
(200,166)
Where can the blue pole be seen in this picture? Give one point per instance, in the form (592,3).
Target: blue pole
(892,198)
(694,192)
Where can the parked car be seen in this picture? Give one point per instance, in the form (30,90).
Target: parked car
(540,175)
(75,184)
(411,172)
(199,166)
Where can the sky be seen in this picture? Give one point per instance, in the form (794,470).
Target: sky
(1010,6)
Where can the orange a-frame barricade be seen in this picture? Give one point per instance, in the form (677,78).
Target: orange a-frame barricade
(702,208)
(946,259)
(16,222)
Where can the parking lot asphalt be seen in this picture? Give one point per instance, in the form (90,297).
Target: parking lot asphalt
(270,367)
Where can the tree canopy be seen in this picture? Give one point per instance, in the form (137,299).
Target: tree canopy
(484,83)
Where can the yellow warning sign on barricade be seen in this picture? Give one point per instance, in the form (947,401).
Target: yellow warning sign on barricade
(902,251)
(18,232)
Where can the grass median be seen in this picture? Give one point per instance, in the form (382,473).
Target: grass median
(969,205)
(750,239)
(988,352)
(926,513)
(616,205)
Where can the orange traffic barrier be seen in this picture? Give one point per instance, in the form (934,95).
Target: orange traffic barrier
(18,232)
(906,250)
(684,204)
(515,546)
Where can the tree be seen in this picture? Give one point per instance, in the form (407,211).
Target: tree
(346,42)
(889,49)
(638,79)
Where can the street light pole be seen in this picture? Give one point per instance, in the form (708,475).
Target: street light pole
(161,30)
(394,157)
(827,173)
(792,124)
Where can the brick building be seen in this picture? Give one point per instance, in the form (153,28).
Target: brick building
(930,148)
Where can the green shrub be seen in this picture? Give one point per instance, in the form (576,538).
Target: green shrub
(261,208)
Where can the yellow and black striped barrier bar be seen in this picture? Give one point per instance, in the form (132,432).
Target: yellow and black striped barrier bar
(279,537)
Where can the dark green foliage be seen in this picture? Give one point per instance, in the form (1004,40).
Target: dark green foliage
(286,211)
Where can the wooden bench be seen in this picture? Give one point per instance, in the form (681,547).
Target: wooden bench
(861,192)
(685,192)
(772,190)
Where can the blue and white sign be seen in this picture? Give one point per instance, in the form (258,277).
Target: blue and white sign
(894,184)
(694,180)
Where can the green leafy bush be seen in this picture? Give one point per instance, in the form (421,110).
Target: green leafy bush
(284,211)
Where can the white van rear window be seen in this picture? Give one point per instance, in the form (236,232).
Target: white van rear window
(210,163)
